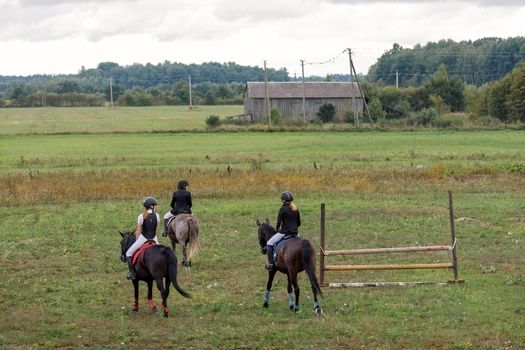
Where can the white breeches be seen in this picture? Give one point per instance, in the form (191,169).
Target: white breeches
(138,243)
(276,238)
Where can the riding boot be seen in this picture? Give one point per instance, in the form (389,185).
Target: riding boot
(165,223)
(269,251)
(132,274)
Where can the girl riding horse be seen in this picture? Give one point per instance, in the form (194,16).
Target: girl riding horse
(146,230)
(288,222)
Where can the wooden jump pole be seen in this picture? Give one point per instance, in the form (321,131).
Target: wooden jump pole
(322,244)
(323,253)
(431,248)
(453,237)
(388,267)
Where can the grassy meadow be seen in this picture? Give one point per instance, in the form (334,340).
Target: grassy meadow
(66,195)
(103,119)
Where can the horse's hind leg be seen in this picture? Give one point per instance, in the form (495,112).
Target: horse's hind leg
(296,289)
(164,292)
(291,302)
(151,302)
(185,261)
(271,275)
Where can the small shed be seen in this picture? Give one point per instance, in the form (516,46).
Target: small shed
(287,98)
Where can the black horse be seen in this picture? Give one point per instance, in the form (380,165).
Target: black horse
(296,255)
(154,264)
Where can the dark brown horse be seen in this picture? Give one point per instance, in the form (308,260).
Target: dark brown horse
(184,230)
(296,255)
(155,264)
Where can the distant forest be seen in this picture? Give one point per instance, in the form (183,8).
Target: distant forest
(475,62)
(447,75)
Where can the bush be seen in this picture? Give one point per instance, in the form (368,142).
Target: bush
(326,112)
(487,121)
(426,116)
(275,116)
(447,121)
(213,121)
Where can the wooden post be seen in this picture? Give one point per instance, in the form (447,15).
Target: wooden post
(322,244)
(453,236)
(304,93)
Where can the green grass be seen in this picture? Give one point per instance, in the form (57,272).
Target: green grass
(66,196)
(63,285)
(269,150)
(102,119)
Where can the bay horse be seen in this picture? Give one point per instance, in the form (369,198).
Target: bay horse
(157,263)
(184,230)
(296,255)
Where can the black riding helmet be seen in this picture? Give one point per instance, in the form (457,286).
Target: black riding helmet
(148,202)
(287,196)
(183,184)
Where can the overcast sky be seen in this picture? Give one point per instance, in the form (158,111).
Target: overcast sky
(60,36)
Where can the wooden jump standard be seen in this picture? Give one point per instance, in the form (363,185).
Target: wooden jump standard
(324,253)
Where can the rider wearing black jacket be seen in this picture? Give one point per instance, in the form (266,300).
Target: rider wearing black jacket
(181,200)
(288,220)
(180,203)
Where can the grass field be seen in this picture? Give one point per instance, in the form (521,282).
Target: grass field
(66,196)
(103,119)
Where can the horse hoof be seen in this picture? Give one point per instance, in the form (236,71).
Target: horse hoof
(265,305)
(165,314)
(291,307)
(296,308)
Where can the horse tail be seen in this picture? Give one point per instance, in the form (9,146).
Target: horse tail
(193,235)
(172,269)
(309,266)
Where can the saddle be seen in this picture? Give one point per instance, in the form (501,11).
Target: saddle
(150,243)
(280,244)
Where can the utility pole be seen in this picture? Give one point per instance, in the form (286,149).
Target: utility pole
(111,92)
(354,106)
(189,86)
(266,95)
(352,70)
(304,93)
(397,79)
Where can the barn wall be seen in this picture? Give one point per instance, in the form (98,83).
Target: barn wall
(293,108)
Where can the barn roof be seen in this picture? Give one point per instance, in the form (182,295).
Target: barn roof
(325,89)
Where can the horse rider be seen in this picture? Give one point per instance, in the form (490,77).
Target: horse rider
(288,222)
(146,230)
(180,204)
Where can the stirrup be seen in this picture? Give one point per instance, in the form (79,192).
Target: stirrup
(269,266)
(131,276)
(164,234)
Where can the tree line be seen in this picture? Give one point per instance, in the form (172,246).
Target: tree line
(137,84)
(475,62)
(435,86)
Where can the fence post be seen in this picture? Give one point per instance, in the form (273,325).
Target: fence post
(453,236)
(322,245)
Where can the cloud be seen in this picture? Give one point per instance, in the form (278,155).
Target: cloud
(472,2)
(29,3)
(267,10)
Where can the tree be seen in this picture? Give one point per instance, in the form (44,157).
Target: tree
(450,90)
(496,98)
(516,97)
(376,109)
(326,112)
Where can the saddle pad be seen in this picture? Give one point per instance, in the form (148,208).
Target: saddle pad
(280,244)
(142,249)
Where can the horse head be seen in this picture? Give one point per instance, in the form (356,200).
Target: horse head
(264,233)
(128,238)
